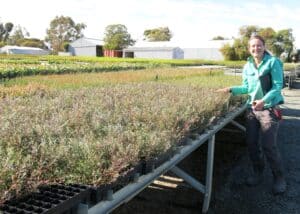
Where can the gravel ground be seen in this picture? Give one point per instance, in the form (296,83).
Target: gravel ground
(230,195)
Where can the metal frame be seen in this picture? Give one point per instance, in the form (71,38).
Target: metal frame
(131,190)
(291,76)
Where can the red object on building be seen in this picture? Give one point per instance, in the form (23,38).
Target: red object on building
(113,53)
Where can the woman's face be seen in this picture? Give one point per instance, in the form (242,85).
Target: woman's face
(256,48)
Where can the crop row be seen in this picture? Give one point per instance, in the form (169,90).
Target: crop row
(11,71)
(23,65)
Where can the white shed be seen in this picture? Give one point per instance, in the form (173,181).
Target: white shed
(86,47)
(8,49)
(209,50)
(154,50)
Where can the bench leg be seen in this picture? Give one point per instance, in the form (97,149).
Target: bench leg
(209,173)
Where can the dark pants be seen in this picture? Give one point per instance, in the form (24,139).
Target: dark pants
(261,137)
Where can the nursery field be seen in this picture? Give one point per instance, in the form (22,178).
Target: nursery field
(90,127)
(12,66)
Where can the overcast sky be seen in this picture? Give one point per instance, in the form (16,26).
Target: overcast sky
(192,22)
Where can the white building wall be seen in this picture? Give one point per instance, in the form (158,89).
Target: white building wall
(83,51)
(208,50)
(84,47)
(152,54)
(203,53)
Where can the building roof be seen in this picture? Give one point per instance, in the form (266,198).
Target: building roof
(86,42)
(174,44)
(146,44)
(10,49)
(150,48)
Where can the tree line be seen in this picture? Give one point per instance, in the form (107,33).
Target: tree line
(279,43)
(63,30)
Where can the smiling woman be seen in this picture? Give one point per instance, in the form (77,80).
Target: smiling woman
(262,114)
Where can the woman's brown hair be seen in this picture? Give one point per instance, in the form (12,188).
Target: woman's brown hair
(257,37)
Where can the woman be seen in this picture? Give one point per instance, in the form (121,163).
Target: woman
(262,81)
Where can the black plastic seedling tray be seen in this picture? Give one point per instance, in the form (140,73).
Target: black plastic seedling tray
(48,199)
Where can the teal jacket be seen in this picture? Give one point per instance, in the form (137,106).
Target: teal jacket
(251,84)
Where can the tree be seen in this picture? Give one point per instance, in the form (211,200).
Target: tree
(218,38)
(116,37)
(5,30)
(239,49)
(18,34)
(267,33)
(277,42)
(270,38)
(240,46)
(247,31)
(158,34)
(228,52)
(32,42)
(63,29)
(20,38)
(284,43)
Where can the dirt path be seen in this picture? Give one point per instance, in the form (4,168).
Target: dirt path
(230,195)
